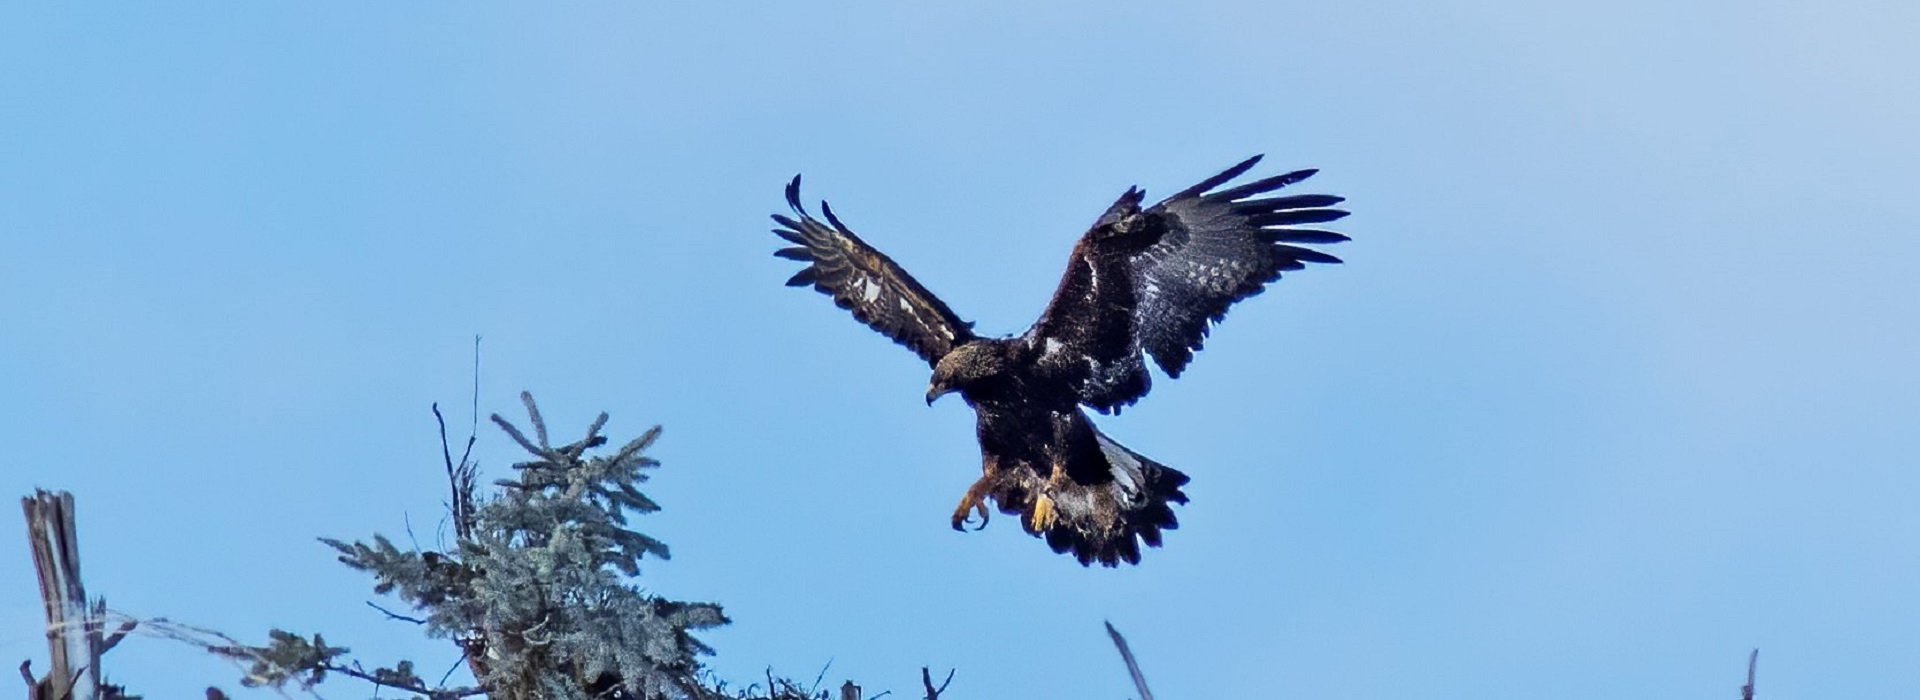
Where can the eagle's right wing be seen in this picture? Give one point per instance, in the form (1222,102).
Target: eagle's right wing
(1155,280)
(867,282)
(1221,247)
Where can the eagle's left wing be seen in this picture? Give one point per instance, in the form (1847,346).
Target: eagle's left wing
(1154,280)
(1087,339)
(867,282)
(1218,248)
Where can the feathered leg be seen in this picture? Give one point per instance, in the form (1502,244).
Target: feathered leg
(1044,514)
(1066,426)
(975,499)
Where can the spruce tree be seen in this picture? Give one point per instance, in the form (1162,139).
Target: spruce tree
(536,588)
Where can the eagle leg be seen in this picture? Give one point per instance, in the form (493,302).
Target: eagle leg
(974,501)
(1044,515)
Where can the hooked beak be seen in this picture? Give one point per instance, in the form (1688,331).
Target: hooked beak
(935,391)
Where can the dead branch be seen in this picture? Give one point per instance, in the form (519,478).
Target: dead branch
(1133,667)
(391,615)
(926,679)
(1746,691)
(377,681)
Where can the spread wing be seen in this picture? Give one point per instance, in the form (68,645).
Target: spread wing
(867,282)
(1154,280)
(1219,248)
(1087,339)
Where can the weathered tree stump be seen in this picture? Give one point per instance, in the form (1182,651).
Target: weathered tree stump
(75,638)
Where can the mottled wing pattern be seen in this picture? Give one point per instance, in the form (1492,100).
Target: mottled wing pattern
(1086,338)
(867,282)
(1219,248)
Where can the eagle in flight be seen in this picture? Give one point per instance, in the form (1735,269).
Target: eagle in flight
(1142,280)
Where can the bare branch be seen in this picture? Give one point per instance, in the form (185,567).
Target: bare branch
(461,474)
(454,667)
(435,693)
(1746,691)
(926,679)
(391,615)
(823,669)
(446,453)
(1133,667)
(119,634)
(473,429)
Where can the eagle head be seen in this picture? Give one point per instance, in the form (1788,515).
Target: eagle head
(965,367)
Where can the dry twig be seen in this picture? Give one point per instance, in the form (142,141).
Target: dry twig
(1746,691)
(1133,667)
(926,679)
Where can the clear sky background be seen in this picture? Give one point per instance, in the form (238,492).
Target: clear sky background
(1619,381)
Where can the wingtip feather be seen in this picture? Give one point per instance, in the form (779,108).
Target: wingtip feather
(804,277)
(1288,217)
(793,192)
(1307,255)
(1303,235)
(1298,201)
(1262,185)
(835,220)
(1237,170)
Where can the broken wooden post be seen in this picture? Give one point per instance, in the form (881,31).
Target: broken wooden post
(75,641)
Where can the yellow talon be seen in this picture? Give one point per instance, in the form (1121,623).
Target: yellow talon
(1043,513)
(974,501)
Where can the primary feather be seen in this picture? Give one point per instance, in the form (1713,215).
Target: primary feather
(867,282)
(1218,249)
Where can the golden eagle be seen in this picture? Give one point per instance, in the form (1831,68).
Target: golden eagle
(1140,280)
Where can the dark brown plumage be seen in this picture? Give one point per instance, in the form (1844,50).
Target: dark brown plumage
(1141,282)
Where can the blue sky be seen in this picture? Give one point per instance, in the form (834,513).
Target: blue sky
(1618,383)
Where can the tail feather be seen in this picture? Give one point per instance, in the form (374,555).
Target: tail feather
(1105,519)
